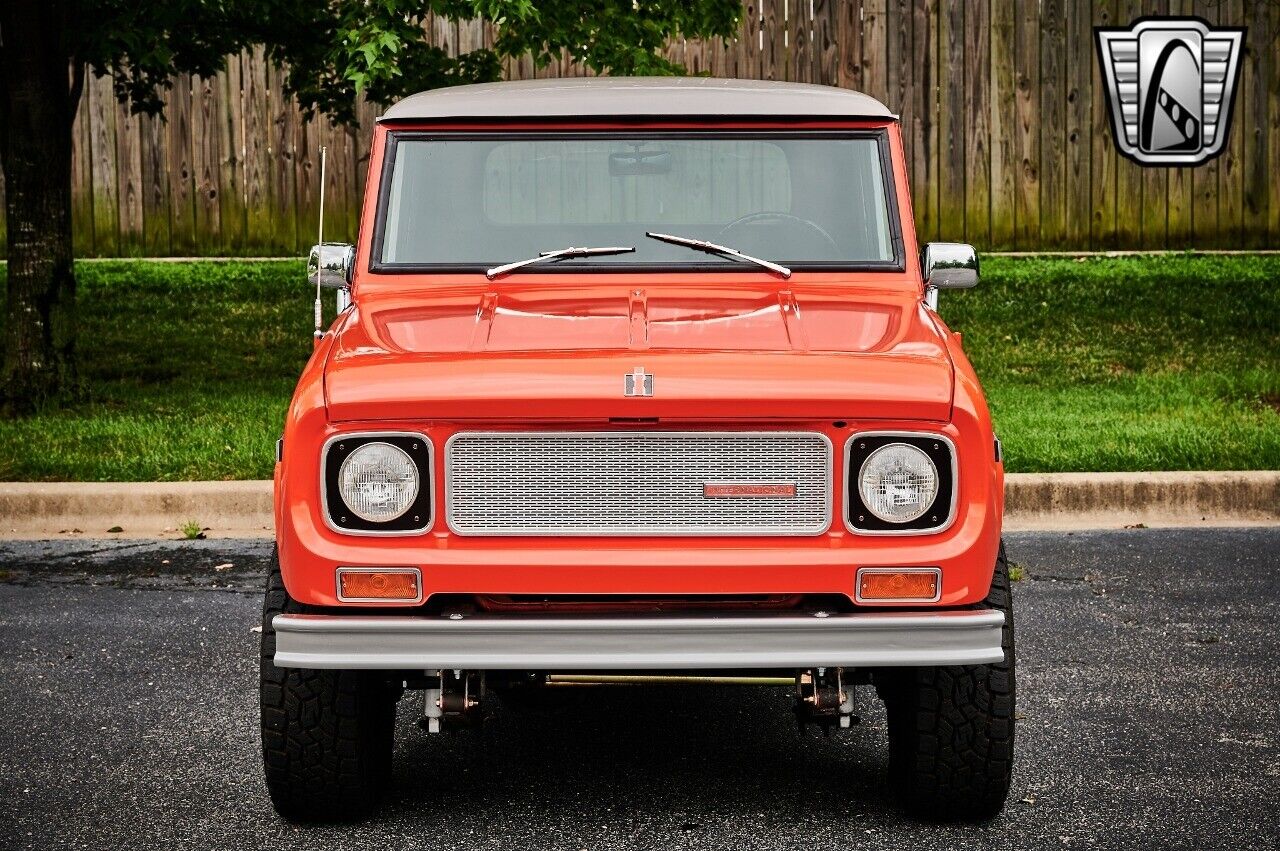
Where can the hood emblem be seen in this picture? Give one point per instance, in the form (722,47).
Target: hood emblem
(637,383)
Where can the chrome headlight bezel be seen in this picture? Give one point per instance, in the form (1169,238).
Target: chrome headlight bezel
(420,515)
(941,512)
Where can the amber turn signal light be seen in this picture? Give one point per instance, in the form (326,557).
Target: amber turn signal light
(918,584)
(370,584)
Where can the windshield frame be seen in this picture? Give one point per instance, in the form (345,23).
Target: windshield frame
(695,264)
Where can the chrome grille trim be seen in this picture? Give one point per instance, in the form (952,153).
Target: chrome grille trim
(634,483)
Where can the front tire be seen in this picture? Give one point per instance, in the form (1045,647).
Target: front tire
(951,729)
(327,736)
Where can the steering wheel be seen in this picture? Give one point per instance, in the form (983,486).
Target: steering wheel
(776,215)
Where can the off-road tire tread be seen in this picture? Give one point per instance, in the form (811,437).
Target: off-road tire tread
(327,736)
(951,729)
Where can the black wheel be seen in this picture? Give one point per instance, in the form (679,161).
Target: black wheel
(326,735)
(951,729)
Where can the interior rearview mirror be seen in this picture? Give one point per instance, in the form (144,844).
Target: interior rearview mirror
(330,265)
(639,162)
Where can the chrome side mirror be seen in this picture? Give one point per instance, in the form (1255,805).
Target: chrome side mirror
(330,265)
(947,266)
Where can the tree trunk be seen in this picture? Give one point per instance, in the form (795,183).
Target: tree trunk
(36,112)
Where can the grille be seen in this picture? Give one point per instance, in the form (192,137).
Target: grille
(637,483)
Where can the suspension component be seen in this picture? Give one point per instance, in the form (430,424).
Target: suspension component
(455,702)
(824,698)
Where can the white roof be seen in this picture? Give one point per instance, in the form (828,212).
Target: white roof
(647,97)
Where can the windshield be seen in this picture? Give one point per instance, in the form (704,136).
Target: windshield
(479,201)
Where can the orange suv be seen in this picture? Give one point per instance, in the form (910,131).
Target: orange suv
(633,378)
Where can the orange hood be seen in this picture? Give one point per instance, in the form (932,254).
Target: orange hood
(554,352)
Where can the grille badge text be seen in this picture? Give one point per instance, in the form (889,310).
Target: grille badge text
(749,489)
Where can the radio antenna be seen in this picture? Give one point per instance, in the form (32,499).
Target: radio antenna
(320,249)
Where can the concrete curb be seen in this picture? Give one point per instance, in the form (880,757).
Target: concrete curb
(141,509)
(1032,501)
(1109,500)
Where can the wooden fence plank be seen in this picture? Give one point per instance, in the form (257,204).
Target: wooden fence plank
(772,54)
(1231,168)
(1080,64)
(1251,122)
(257,150)
(445,34)
(129,180)
(901,73)
(952,126)
(206,158)
(106,212)
(1004,125)
(231,191)
(183,238)
(1272,44)
(81,180)
(849,39)
(284,175)
(924,126)
(797,42)
(977,108)
(339,210)
(697,59)
(875,74)
(1027,130)
(307,159)
(674,52)
(825,47)
(897,29)
(1102,149)
(720,57)
(156,215)
(1053,125)
(747,57)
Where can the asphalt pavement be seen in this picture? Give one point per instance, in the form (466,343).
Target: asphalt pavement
(1148,687)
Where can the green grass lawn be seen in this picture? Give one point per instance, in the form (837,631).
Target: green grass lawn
(1146,363)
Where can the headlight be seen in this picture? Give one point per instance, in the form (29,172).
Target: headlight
(378,482)
(898,483)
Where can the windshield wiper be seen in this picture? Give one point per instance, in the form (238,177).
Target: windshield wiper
(715,248)
(559,254)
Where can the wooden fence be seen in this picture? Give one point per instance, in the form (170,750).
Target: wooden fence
(1004,121)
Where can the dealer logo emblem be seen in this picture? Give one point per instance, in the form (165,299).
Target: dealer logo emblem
(1170,84)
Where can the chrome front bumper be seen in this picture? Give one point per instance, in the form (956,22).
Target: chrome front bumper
(599,643)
